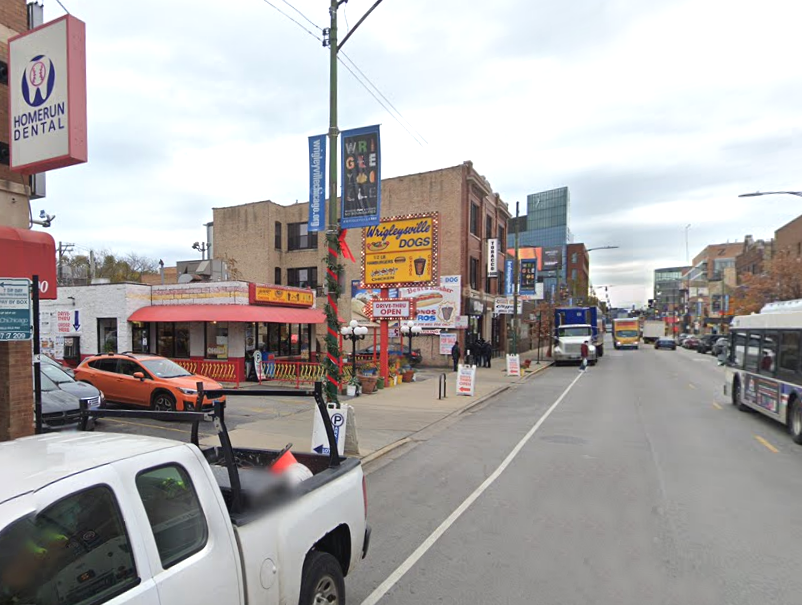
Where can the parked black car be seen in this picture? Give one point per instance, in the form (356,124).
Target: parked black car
(665,343)
(706,343)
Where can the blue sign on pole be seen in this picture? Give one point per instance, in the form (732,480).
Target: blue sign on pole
(361,168)
(528,277)
(508,277)
(317,183)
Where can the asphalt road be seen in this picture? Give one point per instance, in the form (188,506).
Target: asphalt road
(643,485)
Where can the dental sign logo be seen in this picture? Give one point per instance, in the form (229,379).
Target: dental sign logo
(38,81)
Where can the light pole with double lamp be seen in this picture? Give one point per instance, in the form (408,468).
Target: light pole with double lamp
(353,332)
(409,328)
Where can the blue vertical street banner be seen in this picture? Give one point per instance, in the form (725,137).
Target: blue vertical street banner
(361,170)
(508,276)
(317,183)
(528,277)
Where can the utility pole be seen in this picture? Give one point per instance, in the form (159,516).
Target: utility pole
(515,286)
(63,248)
(334,270)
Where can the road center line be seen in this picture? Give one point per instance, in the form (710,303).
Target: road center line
(768,445)
(691,385)
(717,406)
(402,569)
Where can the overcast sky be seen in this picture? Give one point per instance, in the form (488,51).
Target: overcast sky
(655,113)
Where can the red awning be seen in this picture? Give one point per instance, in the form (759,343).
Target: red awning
(25,253)
(236,313)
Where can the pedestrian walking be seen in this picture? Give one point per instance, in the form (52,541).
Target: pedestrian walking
(455,355)
(584,351)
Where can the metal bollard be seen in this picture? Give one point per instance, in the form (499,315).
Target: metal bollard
(441,387)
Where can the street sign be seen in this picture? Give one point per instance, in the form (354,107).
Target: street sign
(391,308)
(15,309)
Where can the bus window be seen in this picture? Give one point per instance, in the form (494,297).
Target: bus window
(768,353)
(737,349)
(789,353)
(751,355)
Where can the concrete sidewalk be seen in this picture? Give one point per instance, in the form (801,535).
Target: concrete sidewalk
(383,418)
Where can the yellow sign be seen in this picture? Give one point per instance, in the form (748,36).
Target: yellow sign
(276,295)
(400,251)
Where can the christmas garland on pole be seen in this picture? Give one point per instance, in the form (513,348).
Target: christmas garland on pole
(331,363)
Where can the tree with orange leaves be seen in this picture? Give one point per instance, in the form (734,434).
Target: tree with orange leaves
(782,280)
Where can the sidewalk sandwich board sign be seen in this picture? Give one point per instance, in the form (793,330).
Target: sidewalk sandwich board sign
(513,365)
(466,380)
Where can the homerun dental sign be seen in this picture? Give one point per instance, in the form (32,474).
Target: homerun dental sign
(47,96)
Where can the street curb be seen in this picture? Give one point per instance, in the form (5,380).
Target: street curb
(467,408)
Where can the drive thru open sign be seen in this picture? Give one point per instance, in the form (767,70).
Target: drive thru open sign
(15,309)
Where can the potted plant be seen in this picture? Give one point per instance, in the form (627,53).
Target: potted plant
(380,382)
(369,369)
(368,383)
(352,388)
(391,382)
(407,374)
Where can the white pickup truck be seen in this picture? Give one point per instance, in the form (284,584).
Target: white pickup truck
(109,518)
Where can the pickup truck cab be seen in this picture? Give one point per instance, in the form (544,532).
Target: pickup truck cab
(110,518)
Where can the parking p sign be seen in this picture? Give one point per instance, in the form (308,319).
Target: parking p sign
(15,309)
(320,442)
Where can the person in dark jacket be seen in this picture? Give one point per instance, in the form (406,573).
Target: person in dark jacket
(455,355)
(584,351)
(488,353)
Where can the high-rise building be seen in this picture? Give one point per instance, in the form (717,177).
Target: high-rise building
(668,289)
(546,225)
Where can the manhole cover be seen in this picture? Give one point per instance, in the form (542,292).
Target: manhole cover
(564,439)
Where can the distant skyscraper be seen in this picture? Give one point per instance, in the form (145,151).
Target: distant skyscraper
(545,225)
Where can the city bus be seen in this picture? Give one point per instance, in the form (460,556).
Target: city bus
(763,370)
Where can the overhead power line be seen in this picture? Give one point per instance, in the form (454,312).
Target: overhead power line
(304,16)
(301,25)
(366,83)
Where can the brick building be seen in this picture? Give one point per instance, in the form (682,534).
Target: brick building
(789,238)
(754,256)
(711,279)
(268,242)
(15,357)
(577,271)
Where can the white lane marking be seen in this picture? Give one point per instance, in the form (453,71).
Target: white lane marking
(402,569)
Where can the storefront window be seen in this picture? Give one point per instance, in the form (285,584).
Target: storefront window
(165,337)
(107,335)
(140,333)
(217,340)
(173,340)
(181,341)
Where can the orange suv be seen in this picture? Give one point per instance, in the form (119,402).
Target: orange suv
(144,380)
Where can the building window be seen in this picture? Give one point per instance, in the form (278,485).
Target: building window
(305,277)
(217,340)
(278,236)
(489,227)
(475,220)
(299,238)
(502,237)
(277,276)
(140,334)
(573,274)
(107,335)
(799,248)
(573,258)
(173,340)
(474,273)
(174,512)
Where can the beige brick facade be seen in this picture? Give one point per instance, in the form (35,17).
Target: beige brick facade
(245,236)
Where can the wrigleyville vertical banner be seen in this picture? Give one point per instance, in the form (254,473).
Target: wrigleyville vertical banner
(361,170)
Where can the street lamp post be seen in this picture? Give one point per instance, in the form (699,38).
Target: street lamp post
(353,332)
(410,329)
(760,193)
